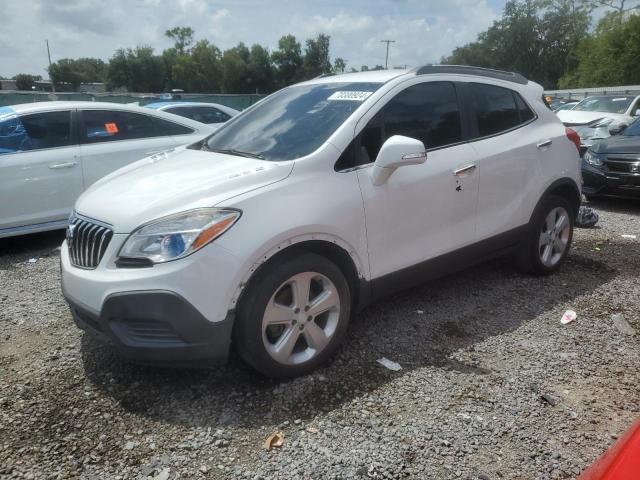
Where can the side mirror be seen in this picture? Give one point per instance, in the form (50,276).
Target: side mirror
(637,113)
(618,129)
(397,151)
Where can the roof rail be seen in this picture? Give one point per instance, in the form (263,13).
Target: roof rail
(468,70)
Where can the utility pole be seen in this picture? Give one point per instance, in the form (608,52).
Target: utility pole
(53,87)
(386,60)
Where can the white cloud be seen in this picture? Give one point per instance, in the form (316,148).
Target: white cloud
(424,30)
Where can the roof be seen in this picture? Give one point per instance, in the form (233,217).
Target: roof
(39,106)
(171,103)
(22,108)
(371,76)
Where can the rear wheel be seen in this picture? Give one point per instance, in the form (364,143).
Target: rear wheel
(293,316)
(550,237)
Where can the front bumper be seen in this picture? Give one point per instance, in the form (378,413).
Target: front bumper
(597,181)
(156,327)
(173,313)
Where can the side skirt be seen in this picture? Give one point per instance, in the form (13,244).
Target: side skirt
(490,248)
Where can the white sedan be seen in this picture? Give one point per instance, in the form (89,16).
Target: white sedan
(209,113)
(50,152)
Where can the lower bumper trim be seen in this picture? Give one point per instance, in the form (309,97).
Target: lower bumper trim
(156,327)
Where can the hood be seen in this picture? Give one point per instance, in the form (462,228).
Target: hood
(173,182)
(573,117)
(626,144)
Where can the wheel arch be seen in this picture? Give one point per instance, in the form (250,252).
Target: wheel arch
(328,246)
(563,187)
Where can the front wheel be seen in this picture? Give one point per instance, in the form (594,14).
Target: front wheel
(293,316)
(549,239)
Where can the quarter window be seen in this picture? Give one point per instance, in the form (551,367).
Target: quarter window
(35,131)
(497,109)
(111,125)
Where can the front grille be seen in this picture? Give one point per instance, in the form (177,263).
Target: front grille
(623,165)
(87,241)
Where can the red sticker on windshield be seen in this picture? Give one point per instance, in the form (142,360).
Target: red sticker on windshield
(111,128)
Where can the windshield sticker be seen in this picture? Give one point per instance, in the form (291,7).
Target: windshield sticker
(111,128)
(350,96)
(622,99)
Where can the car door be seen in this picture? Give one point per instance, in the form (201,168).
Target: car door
(111,139)
(422,211)
(510,149)
(40,173)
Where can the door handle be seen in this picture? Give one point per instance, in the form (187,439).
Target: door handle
(58,166)
(544,143)
(462,171)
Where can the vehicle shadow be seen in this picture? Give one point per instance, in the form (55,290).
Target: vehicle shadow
(615,205)
(419,328)
(23,247)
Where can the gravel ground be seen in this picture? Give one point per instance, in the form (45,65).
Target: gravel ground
(478,350)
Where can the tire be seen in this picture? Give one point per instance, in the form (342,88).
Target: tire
(282,336)
(545,248)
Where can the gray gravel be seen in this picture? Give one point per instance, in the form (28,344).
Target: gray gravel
(478,349)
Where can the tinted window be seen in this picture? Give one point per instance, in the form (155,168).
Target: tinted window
(206,115)
(170,128)
(604,103)
(495,109)
(524,111)
(110,125)
(35,131)
(293,122)
(428,112)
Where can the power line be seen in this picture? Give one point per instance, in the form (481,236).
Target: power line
(386,60)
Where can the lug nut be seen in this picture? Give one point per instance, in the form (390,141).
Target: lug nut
(297,310)
(306,309)
(309,318)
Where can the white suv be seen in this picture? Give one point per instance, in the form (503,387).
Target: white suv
(269,234)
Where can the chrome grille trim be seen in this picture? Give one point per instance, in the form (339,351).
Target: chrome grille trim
(87,240)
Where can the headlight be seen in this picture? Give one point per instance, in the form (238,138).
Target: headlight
(592,159)
(179,235)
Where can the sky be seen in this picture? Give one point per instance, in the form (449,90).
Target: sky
(423,30)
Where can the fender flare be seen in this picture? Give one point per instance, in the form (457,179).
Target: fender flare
(264,257)
(560,182)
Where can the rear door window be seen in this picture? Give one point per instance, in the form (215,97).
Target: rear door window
(112,125)
(34,131)
(497,109)
(170,128)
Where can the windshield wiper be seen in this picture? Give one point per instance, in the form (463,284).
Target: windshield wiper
(232,151)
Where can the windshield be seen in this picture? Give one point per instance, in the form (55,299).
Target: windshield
(633,130)
(609,104)
(291,123)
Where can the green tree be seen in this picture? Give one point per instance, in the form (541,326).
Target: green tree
(260,70)
(24,81)
(77,71)
(339,65)
(200,71)
(537,38)
(316,56)
(608,57)
(235,70)
(137,70)
(183,38)
(287,60)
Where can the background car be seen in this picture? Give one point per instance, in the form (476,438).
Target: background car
(568,105)
(209,113)
(612,166)
(50,152)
